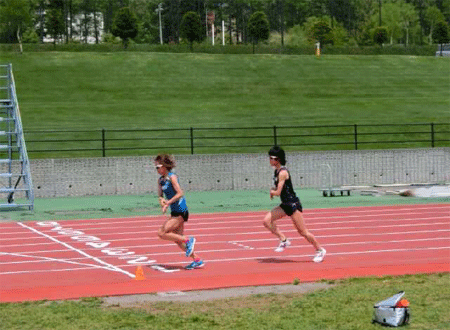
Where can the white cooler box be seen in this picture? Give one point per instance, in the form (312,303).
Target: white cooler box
(387,312)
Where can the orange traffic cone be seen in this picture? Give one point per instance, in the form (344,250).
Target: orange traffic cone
(139,274)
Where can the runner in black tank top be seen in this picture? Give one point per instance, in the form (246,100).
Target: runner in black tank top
(290,205)
(289,200)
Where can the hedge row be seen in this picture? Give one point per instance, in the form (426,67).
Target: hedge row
(428,50)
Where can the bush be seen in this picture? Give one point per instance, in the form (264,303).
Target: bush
(110,38)
(296,37)
(125,25)
(425,50)
(258,27)
(191,29)
(30,36)
(380,35)
(440,33)
(340,35)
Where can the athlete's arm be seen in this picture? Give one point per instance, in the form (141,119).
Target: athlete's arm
(161,199)
(178,191)
(282,177)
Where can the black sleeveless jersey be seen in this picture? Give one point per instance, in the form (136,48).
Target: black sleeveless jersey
(287,193)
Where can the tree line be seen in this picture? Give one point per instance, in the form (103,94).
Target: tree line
(290,22)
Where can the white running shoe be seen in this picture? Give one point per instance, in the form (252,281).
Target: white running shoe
(283,245)
(320,254)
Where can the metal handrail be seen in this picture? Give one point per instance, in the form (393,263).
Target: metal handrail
(26,169)
(218,138)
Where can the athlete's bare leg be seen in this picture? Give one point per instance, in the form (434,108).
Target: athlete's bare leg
(299,224)
(270,222)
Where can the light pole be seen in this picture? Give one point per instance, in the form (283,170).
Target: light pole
(223,5)
(159,10)
(379,12)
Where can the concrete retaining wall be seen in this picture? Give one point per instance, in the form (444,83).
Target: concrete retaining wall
(137,175)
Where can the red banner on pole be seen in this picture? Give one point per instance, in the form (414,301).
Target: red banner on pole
(210,16)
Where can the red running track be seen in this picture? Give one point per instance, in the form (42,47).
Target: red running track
(84,258)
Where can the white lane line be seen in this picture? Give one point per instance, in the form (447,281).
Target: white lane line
(163,269)
(245,240)
(242,245)
(310,214)
(206,225)
(218,218)
(311,228)
(213,260)
(253,258)
(108,266)
(35,271)
(283,256)
(39,259)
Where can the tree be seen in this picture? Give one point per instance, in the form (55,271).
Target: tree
(380,35)
(364,36)
(390,19)
(441,34)
(408,18)
(171,20)
(239,13)
(276,15)
(321,31)
(125,25)
(15,17)
(191,28)
(343,11)
(399,18)
(444,7)
(432,16)
(89,22)
(296,37)
(54,24)
(147,14)
(258,28)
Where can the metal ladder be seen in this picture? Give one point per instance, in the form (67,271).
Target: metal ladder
(16,187)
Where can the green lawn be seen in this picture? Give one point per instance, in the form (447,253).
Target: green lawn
(90,91)
(346,306)
(121,90)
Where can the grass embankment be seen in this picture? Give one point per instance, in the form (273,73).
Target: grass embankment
(121,90)
(346,306)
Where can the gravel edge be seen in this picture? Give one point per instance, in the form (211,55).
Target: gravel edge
(205,295)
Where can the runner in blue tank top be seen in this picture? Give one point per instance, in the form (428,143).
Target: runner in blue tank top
(165,182)
(173,228)
(290,205)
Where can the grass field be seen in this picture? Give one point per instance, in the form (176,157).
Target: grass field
(95,90)
(95,207)
(66,90)
(346,306)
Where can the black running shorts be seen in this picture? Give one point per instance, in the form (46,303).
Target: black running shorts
(289,208)
(184,215)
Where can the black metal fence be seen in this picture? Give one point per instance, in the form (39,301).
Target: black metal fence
(121,142)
